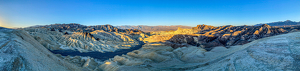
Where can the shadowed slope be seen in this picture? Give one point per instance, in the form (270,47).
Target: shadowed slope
(209,36)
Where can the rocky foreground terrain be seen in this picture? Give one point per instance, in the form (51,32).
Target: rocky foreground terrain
(202,48)
(21,52)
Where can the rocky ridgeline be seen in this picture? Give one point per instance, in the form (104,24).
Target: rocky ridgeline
(210,36)
(26,50)
(82,38)
(82,28)
(287,23)
(204,27)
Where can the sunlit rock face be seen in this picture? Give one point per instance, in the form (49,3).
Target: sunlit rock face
(97,40)
(163,36)
(21,52)
(209,36)
(204,27)
(274,53)
(102,35)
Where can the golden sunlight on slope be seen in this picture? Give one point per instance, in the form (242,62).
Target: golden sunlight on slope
(162,36)
(107,63)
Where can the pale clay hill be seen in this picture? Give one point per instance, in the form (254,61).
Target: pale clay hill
(267,48)
(21,52)
(97,40)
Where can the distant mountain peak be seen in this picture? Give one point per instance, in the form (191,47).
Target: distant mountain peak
(282,23)
(288,21)
(203,27)
(179,28)
(265,25)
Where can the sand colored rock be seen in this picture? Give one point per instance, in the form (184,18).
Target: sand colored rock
(164,36)
(100,41)
(21,52)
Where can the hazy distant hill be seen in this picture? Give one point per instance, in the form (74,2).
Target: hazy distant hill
(154,28)
(282,23)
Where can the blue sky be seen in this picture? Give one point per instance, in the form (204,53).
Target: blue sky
(23,13)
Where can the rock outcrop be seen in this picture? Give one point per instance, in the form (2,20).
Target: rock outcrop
(209,36)
(88,63)
(163,36)
(21,52)
(204,27)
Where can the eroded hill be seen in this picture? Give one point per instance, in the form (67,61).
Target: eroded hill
(73,27)
(207,37)
(100,38)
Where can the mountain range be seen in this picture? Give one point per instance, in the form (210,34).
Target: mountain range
(76,47)
(146,28)
(282,23)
